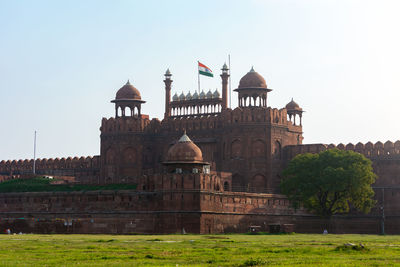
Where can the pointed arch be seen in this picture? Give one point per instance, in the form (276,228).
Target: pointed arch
(238,183)
(277,149)
(129,156)
(110,156)
(258,148)
(257,183)
(236,148)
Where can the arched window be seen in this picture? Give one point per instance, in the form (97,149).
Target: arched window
(119,111)
(257,183)
(126,111)
(238,183)
(129,155)
(226,186)
(277,150)
(236,147)
(217,187)
(258,148)
(110,156)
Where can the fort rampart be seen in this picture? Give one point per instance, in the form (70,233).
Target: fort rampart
(168,211)
(370,150)
(84,169)
(128,211)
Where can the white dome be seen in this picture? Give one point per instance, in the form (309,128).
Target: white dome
(182,97)
(209,94)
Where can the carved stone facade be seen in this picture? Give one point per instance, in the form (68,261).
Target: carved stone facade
(246,141)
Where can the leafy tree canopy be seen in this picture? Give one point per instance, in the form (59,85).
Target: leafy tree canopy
(326,183)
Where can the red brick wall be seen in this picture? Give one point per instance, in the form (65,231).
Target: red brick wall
(170,211)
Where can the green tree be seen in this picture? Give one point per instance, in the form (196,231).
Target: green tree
(328,182)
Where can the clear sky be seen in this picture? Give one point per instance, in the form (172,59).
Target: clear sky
(61,62)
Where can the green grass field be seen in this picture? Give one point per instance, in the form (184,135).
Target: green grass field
(197,250)
(41,184)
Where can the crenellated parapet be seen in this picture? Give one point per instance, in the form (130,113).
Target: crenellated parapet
(227,117)
(291,151)
(154,126)
(370,150)
(51,166)
(257,114)
(124,124)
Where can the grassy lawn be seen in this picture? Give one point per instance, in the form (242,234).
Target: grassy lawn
(41,184)
(197,250)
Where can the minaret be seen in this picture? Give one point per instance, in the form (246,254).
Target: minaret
(224,77)
(167,82)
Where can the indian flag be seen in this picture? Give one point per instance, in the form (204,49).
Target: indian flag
(204,70)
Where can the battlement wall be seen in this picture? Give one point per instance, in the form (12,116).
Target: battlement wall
(229,117)
(132,211)
(124,124)
(374,151)
(199,122)
(85,169)
(125,200)
(69,202)
(199,211)
(385,159)
(257,114)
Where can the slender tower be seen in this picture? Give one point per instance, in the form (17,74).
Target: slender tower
(224,76)
(167,82)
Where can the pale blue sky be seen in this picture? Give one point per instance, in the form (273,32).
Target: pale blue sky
(61,62)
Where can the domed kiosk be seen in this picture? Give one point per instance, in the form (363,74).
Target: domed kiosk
(128,97)
(186,157)
(294,109)
(252,90)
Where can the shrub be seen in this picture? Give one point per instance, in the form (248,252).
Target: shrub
(253,262)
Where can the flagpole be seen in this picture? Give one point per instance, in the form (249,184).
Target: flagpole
(198,77)
(230,90)
(34,154)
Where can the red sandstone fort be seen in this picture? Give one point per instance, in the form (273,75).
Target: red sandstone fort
(204,168)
